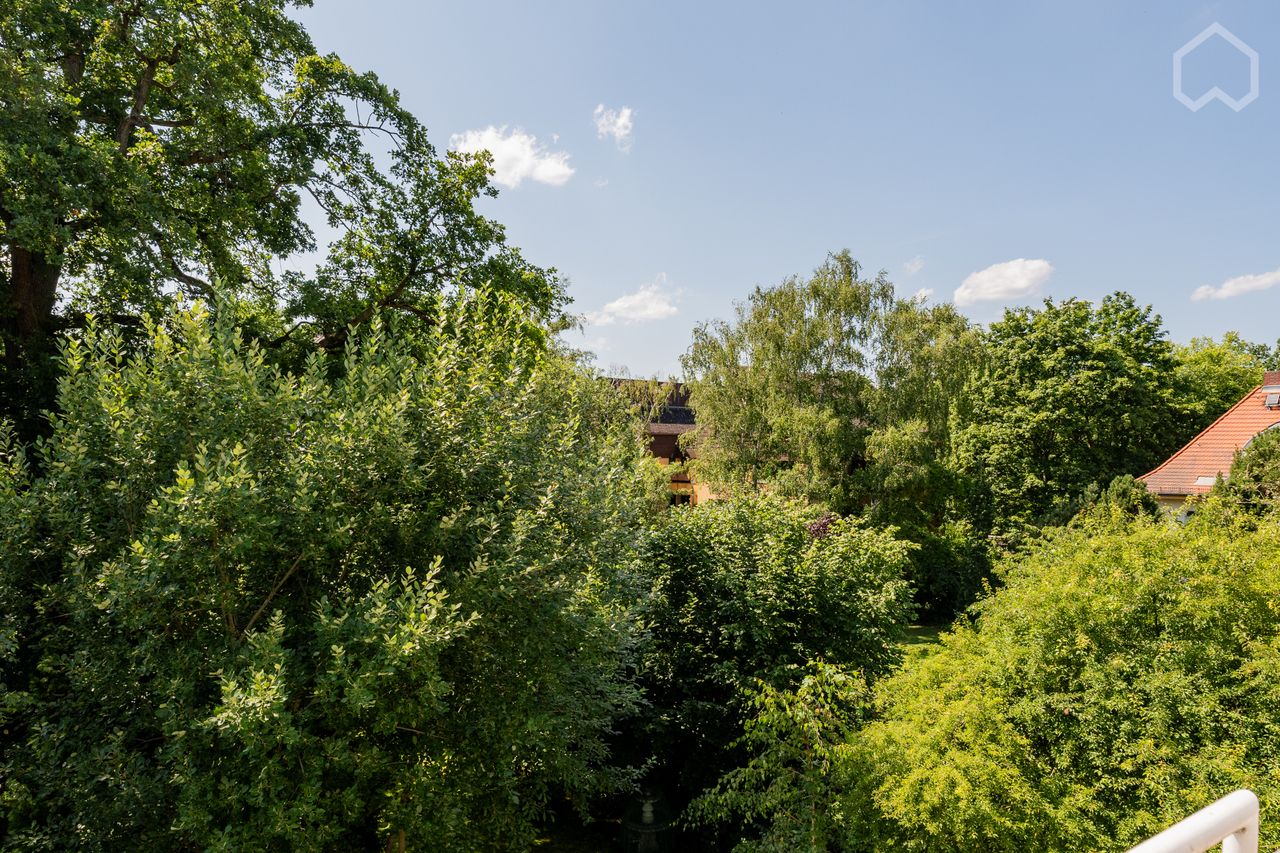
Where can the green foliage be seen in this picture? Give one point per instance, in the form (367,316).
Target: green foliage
(784,394)
(1124,497)
(241,609)
(1123,677)
(753,589)
(147,132)
(149,141)
(790,394)
(1073,394)
(833,390)
(949,569)
(798,739)
(926,359)
(166,145)
(1212,376)
(1254,482)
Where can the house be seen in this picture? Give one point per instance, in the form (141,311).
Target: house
(673,418)
(1193,470)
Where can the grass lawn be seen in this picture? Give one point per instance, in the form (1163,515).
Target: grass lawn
(922,639)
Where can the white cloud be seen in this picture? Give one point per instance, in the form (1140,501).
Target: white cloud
(1238,285)
(922,294)
(914,265)
(600,183)
(1008,280)
(615,123)
(516,156)
(652,301)
(598,344)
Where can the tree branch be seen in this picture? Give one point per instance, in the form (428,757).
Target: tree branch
(275,342)
(139,102)
(274,590)
(180,274)
(339,337)
(161,122)
(394,293)
(206,158)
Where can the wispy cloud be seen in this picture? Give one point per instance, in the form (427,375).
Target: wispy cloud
(600,183)
(1008,280)
(653,301)
(922,294)
(1237,286)
(517,156)
(914,265)
(615,123)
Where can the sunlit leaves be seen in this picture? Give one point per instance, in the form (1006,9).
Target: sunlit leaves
(241,607)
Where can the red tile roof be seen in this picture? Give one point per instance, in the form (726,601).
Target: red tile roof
(1192,470)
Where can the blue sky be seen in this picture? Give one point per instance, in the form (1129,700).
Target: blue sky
(1037,145)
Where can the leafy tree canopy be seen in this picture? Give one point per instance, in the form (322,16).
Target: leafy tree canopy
(818,378)
(242,609)
(754,589)
(1123,677)
(167,146)
(799,739)
(833,389)
(1212,376)
(1073,394)
(1254,480)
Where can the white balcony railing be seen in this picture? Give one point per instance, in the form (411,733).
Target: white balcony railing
(1232,820)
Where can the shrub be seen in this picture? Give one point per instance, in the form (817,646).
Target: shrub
(798,739)
(751,590)
(948,571)
(1123,677)
(248,610)
(1255,474)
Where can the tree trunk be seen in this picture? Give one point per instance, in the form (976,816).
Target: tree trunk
(33,291)
(27,380)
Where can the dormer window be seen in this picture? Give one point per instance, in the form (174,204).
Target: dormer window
(1273,400)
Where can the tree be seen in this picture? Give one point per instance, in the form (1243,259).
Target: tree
(1124,497)
(1123,677)
(753,589)
(1211,376)
(923,366)
(243,609)
(797,738)
(166,145)
(784,395)
(1073,394)
(834,390)
(790,394)
(1254,481)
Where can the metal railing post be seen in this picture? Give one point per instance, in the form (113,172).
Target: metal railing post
(1232,820)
